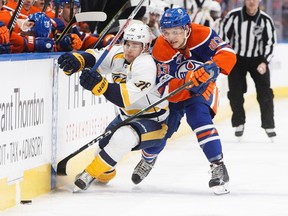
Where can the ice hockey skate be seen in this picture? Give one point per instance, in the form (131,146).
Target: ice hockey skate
(142,169)
(220,178)
(239,131)
(270,133)
(83,181)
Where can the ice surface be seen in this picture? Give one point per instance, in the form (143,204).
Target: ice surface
(178,185)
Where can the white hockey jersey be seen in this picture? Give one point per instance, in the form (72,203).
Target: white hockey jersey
(137,81)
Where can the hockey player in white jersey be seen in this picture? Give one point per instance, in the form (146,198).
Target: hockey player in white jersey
(134,88)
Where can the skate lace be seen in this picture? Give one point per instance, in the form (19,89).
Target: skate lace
(143,168)
(217,171)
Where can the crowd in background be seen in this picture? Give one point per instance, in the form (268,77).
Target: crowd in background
(39,28)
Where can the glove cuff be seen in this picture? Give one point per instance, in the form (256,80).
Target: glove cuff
(30,43)
(81,60)
(101,87)
(89,58)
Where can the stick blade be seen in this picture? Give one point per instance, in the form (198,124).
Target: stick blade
(135,3)
(91,16)
(61,167)
(123,21)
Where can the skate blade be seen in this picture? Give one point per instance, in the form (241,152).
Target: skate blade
(221,189)
(96,182)
(76,190)
(239,138)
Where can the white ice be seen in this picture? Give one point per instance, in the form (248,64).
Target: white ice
(178,185)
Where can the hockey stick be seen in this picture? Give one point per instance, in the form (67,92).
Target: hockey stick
(15,15)
(104,3)
(91,16)
(117,36)
(101,16)
(71,5)
(111,23)
(57,6)
(61,167)
(46,3)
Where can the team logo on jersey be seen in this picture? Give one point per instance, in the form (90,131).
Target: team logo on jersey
(185,67)
(119,77)
(142,85)
(162,69)
(257,31)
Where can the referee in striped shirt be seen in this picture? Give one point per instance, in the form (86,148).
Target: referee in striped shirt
(252,35)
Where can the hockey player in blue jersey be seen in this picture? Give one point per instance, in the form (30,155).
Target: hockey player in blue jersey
(190,52)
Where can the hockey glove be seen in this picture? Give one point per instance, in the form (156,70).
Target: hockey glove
(57,24)
(43,44)
(4,39)
(205,72)
(71,63)
(4,34)
(93,81)
(5,48)
(209,90)
(70,42)
(40,44)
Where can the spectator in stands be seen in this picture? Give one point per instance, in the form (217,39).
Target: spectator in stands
(27,8)
(49,11)
(36,30)
(201,14)
(74,40)
(27,35)
(4,35)
(154,12)
(110,7)
(215,13)
(70,41)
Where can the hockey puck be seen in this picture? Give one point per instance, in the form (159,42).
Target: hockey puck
(25,202)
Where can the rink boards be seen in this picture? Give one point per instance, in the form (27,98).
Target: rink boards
(46,115)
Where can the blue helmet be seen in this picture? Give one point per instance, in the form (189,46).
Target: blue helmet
(76,2)
(42,26)
(174,17)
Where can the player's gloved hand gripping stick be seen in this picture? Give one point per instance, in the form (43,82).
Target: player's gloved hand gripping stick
(61,167)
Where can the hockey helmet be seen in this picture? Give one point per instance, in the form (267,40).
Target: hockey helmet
(76,2)
(42,24)
(174,17)
(215,6)
(157,7)
(139,33)
(215,10)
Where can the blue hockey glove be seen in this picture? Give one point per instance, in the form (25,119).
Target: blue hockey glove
(57,24)
(43,44)
(70,42)
(5,48)
(203,74)
(93,81)
(42,25)
(71,63)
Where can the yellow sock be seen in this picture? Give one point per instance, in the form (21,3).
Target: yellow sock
(97,167)
(106,177)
